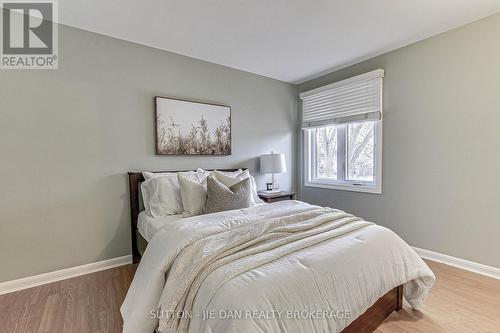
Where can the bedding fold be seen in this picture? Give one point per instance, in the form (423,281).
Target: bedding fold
(254,245)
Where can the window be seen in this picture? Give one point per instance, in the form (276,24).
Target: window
(344,156)
(343,135)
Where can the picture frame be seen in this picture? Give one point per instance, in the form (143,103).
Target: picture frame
(190,127)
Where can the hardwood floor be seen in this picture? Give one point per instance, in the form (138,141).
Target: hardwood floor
(85,304)
(460,302)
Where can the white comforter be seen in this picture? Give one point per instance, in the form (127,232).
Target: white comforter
(315,288)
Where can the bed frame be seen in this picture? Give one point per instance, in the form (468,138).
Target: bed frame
(134,180)
(366,323)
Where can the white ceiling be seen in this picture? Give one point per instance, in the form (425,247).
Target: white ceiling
(289,40)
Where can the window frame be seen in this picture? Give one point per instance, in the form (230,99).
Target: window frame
(310,169)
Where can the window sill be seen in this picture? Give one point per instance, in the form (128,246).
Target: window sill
(352,188)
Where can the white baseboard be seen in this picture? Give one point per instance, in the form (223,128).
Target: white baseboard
(63,274)
(37,280)
(459,263)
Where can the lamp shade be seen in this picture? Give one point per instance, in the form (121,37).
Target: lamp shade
(272,163)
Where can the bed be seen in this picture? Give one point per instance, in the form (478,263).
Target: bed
(349,281)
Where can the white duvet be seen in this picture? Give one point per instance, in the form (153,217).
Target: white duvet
(319,286)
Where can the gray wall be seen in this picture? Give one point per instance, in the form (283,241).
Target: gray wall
(67,138)
(441,159)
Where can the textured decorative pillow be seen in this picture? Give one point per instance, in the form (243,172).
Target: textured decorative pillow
(225,179)
(228,180)
(193,192)
(162,196)
(221,197)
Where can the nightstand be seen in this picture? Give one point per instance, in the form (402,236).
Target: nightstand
(274,197)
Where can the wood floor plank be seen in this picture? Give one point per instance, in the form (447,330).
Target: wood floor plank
(460,302)
(85,304)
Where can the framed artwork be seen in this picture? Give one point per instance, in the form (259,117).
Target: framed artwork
(192,128)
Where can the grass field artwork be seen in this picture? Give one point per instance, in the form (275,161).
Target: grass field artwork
(192,128)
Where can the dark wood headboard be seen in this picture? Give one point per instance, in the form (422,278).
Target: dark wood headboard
(134,180)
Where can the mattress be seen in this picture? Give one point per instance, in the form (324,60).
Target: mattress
(148,226)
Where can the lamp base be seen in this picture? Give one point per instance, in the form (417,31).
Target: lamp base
(273,186)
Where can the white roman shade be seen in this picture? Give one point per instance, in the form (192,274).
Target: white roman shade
(355,99)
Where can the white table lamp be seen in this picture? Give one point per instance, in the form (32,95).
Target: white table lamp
(273,163)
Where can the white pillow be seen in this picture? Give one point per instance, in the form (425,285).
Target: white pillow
(227,173)
(206,173)
(144,190)
(149,175)
(256,197)
(193,188)
(146,195)
(162,196)
(229,181)
(145,198)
